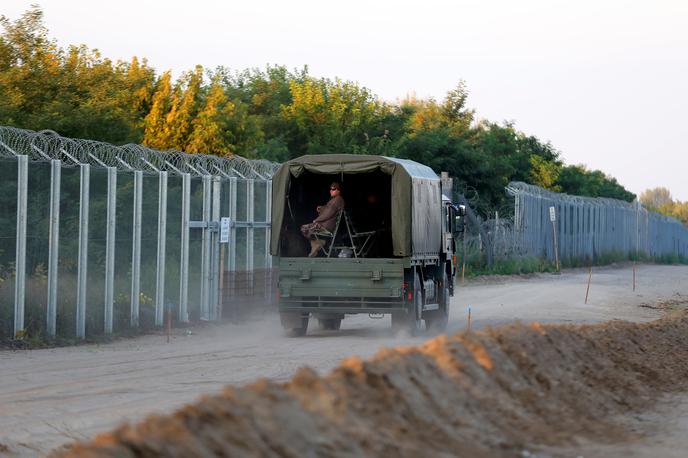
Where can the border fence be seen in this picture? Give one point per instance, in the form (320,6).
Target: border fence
(97,238)
(574,229)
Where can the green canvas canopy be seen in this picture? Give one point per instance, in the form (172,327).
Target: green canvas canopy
(408,178)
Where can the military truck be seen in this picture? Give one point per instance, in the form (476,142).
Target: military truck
(392,251)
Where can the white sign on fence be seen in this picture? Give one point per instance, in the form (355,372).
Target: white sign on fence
(224,230)
(552,215)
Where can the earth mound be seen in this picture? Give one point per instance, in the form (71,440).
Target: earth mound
(491,393)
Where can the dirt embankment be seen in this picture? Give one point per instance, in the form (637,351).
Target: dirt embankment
(492,393)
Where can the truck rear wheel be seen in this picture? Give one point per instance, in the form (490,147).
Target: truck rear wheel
(410,321)
(437,320)
(330,324)
(294,324)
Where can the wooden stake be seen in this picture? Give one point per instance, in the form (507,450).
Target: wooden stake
(588,290)
(469,318)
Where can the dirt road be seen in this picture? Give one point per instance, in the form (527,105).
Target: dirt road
(50,397)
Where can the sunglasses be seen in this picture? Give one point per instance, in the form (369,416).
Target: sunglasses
(334,189)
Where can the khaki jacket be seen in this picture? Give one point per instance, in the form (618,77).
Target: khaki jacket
(329,212)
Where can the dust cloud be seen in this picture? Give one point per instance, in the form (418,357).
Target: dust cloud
(497,392)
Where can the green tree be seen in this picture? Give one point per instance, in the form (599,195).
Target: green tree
(97,99)
(76,92)
(578,180)
(455,111)
(275,113)
(259,96)
(544,173)
(29,67)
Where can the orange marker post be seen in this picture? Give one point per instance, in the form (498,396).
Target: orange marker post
(588,290)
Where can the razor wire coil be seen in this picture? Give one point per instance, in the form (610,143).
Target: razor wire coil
(47,145)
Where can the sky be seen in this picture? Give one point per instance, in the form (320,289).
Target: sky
(605,81)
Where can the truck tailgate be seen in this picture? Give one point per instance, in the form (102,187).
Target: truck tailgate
(341,277)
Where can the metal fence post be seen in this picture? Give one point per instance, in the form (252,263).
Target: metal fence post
(268,237)
(110,247)
(53,246)
(268,219)
(184,269)
(216,268)
(232,227)
(136,249)
(20,260)
(205,250)
(231,246)
(250,216)
(82,275)
(162,235)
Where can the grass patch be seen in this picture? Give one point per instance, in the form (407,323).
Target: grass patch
(476,262)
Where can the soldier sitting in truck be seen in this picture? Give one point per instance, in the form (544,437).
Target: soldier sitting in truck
(326,220)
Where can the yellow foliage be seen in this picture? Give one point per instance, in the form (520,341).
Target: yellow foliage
(207,133)
(320,102)
(154,124)
(660,200)
(544,173)
(680,212)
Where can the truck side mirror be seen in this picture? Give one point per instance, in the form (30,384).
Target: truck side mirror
(459,225)
(459,219)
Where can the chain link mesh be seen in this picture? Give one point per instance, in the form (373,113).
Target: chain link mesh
(94,248)
(587,230)
(586,227)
